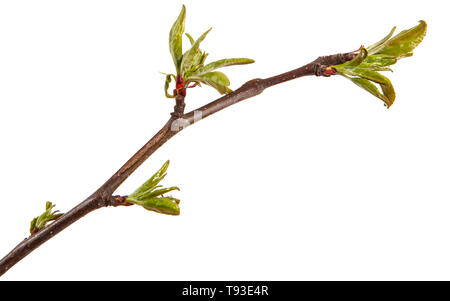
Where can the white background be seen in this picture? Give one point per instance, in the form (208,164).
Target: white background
(312,180)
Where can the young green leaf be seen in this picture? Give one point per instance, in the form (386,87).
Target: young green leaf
(151,198)
(222,63)
(199,57)
(175,39)
(375,47)
(204,56)
(362,70)
(368,86)
(389,92)
(167,83)
(378,60)
(189,56)
(151,183)
(191,39)
(220,88)
(404,43)
(216,79)
(190,66)
(156,193)
(164,205)
(384,82)
(33,225)
(368,74)
(39,222)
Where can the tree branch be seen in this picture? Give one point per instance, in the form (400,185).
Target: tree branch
(178,120)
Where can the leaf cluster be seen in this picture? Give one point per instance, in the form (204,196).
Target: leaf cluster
(39,223)
(191,66)
(150,195)
(364,69)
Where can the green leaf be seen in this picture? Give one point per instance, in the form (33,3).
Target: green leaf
(368,86)
(389,92)
(375,68)
(175,39)
(362,70)
(190,38)
(385,83)
(216,79)
(378,60)
(151,183)
(404,43)
(223,63)
(40,222)
(220,88)
(375,47)
(165,205)
(198,57)
(156,193)
(368,74)
(33,224)
(363,78)
(151,198)
(197,60)
(166,85)
(190,55)
(202,60)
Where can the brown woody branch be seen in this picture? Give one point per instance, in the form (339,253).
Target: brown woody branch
(103,197)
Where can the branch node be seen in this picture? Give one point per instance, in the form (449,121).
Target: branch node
(179,106)
(256,84)
(119,200)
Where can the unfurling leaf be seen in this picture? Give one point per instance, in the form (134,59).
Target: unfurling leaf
(189,56)
(151,198)
(167,83)
(158,192)
(175,38)
(362,70)
(368,74)
(220,88)
(375,47)
(38,223)
(222,63)
(216,79)
(404,43)
(378,61)
(151,183)
(165,205)
(191,39)
(363,76)
(368,86)
(191,70)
